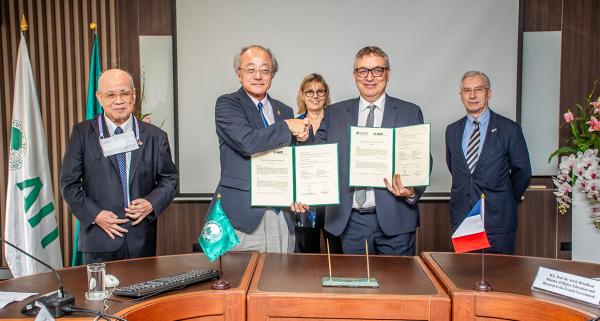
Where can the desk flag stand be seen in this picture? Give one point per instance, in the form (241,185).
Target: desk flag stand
(482,285)
(220,284)
(345,282)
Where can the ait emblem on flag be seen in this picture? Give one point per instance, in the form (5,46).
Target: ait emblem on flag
(18,146)
(212,232)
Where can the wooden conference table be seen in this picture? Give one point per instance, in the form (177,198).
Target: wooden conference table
(197,302)
(288,287)
(511,278)
(283,287)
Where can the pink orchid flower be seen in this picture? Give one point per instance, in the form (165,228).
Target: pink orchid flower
(569,117)
(594,124)
(596,105)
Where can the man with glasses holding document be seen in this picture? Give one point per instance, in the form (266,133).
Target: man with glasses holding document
(387,219)
(117,176)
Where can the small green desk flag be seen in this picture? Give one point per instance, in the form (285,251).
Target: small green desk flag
(217,236)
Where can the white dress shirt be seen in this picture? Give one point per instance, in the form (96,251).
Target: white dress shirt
(267,108)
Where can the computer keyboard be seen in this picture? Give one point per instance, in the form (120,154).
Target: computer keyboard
(167,283)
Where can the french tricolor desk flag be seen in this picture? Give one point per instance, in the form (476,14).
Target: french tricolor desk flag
(470,234)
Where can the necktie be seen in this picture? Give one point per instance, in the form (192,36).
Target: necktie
(262,115)
(121,161)
(360,194)
(473,148)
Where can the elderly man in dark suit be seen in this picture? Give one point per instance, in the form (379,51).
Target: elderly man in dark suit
(386,218)
(117,176)
(486,154)
(250,121)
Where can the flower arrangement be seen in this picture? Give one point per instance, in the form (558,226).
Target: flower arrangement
(579,169)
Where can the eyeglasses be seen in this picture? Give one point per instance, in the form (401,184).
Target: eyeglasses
(470,91)
(318,93)
(252,71)
(364,72)
(111,96)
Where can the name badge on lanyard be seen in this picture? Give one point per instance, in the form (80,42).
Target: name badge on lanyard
(121,143)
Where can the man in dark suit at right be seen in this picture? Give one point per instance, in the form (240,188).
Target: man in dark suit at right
(486,154)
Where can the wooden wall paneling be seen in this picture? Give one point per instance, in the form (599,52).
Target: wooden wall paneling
(179,227)
(536,234)
(156,18)
(128,39)
(434,231)
(543,15)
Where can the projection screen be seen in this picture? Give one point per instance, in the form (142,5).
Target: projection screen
(430,43)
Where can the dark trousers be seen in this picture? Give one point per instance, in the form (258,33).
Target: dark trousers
(100,257)
(308,239)
(366,226)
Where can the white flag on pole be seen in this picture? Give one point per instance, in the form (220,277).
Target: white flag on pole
(30,212)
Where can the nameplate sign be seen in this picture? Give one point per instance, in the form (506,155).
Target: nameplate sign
(567,285)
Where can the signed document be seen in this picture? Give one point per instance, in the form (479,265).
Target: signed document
(307,174)
(412,149)
(317,174)
(376,153)
(371,156)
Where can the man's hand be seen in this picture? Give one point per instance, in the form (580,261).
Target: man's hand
(299,207)
(109,222)
(138,210)
(397,188)
(298,128)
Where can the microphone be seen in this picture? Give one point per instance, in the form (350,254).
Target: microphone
(55,301)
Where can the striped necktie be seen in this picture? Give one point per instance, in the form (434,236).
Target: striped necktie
(473,148)
(122,163)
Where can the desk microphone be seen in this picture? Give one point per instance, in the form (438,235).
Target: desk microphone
(55,301)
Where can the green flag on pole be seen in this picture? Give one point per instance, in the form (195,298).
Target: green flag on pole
(92,109)
(217,236)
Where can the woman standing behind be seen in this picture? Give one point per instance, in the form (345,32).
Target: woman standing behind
(312,99)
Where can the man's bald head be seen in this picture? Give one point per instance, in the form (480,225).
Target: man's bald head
(116,94)
(111,74)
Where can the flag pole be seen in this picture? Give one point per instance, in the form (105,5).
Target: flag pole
(220,284)
(482,285)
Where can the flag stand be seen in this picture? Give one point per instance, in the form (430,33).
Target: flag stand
(220,284)
(482,285)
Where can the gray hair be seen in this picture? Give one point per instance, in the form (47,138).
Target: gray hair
(237,60)
(372,50)
(473,73)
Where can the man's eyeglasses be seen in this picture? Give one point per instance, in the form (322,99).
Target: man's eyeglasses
(252,71)
(364,72)
(469,91)
(111,96)
(318,93)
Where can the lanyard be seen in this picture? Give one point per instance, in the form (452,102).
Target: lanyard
(135,124)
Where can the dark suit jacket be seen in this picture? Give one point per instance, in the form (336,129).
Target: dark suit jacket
(241,133)
(502,173)
(396,215)
(90,183)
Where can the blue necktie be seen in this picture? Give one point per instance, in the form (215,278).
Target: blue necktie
(262,115)
(122,162)
(473,147)
(266,124)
